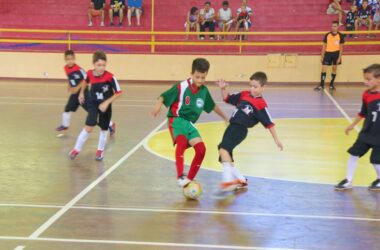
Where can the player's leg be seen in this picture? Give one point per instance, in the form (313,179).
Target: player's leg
(356,151)
(357,23)
(91,121)
(375,160)
(129,15)
(232,137)
(89,13)
(121,16)
(102,17)
(325,63)
(104,121)
(178,132)
(333,73)
(110,15)
(187,29)
(138,16)
(200,152)
(71,106)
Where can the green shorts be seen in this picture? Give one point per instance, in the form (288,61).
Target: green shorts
(179,126)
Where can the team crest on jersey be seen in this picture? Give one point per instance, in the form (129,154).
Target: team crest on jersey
(76,76)
(200,103)
(105,88)
(247,109)
(187,100)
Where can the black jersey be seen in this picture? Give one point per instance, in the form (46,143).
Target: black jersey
(75,74)
(102,87)
(365,13)
(250,110)
(370,110)
(350,18)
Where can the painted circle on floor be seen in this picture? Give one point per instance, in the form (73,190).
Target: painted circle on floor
(315,151)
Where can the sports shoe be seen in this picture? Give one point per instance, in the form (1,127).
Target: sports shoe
(332,87)
(61,128)
(183,181)
(319,88)
(229,186)
(120,24)
(99,155)
(112,129)
(242,184)
(102,24)
(73,153)
(111,24)
(375,185)
(90,24)
(343,185)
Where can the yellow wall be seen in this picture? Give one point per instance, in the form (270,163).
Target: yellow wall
(177,67)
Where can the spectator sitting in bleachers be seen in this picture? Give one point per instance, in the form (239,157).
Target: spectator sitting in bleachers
(350,19)
(96,9)
(207,15)
(192,21)
(243,19)
(117,9)
(335,8)
(134,8)
(225,18)
(364,18)
(376,14)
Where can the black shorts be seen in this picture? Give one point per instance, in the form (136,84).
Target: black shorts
(73,103)
(116,13)
(232,137)
(331,58)
(360,148)
(96,117)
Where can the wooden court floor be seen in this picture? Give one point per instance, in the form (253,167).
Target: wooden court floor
(131,201)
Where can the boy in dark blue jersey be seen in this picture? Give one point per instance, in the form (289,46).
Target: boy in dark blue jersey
(350,19)
(76,77)
(369,136)
(251,109)
(104,90)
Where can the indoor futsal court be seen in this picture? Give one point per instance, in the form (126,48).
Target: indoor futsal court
(130,201)
(190,125)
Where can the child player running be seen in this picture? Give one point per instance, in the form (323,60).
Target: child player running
(104,90)
(369,136)
(76,75)
(251,109)
(186,101)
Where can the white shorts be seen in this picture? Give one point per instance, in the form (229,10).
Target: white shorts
(331,10)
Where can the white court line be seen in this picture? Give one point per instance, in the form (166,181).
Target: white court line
(85,191)
(143,243)
(341,109)
(187,211)
(20,248)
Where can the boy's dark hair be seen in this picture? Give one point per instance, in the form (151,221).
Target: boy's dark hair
(69,52)
(207,3)
(201,65)
(261,77)
(225,3)
(99,55)
(335,22)
(373,69)
(193,10)
(365,1)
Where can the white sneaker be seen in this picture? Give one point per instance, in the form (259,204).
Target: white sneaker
(90,24)
(183,181)
(102,24)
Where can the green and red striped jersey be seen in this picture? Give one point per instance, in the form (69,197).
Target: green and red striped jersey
(188,101)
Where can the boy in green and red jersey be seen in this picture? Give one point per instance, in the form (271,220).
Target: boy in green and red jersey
(186,101)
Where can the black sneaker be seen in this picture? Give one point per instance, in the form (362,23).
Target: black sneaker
(332,87)
(111,24)
(375,186)
(120,25)
(319,88)
(343,185)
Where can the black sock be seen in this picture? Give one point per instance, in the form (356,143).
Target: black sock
(323,78)
(332,79)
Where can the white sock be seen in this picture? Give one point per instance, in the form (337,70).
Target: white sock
(111,123)
(377,169)
(227,172)
(102,139)
(237,174)
(66,119)
(82,138)
(351,166)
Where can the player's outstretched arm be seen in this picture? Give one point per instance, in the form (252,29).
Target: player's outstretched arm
(353,125)
(219,112)
(104,105)
(273,132)
(223,87)
(157,108)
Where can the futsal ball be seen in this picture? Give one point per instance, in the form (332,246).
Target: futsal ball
(193,190)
